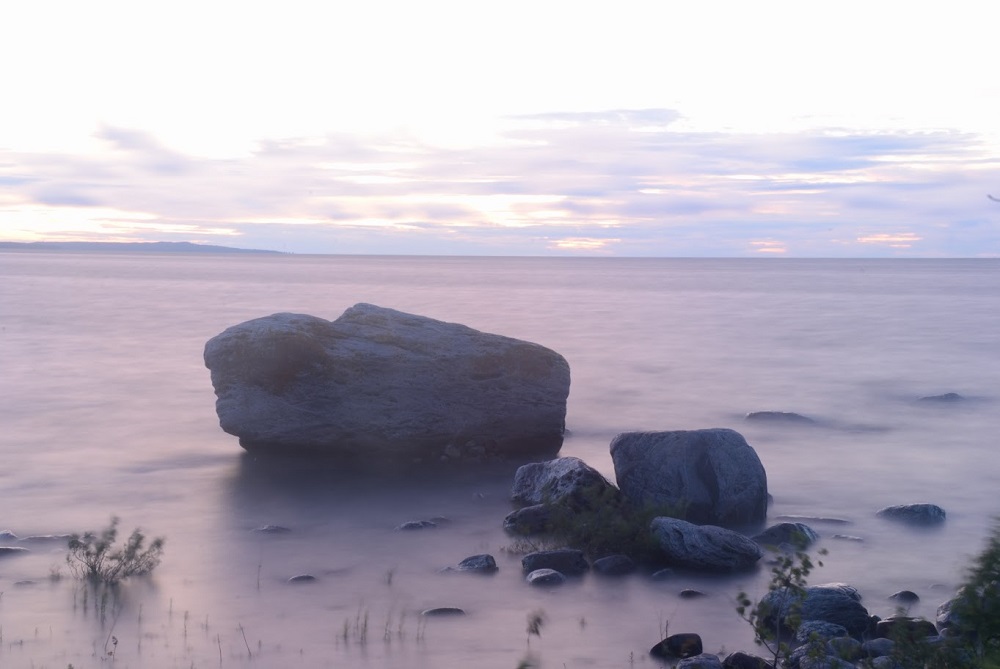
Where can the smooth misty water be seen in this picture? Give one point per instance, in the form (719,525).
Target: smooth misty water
(106,407)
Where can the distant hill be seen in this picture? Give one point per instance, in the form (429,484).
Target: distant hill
(125,247)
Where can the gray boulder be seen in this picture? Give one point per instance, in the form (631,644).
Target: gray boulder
(703,547)
(705,476)
(832,603)
(534,519)
(914,514)
(545,577)
(382,384)
(563,480)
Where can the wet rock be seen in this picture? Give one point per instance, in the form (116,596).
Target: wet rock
(810,630)
(690,593)
(905,597)
(484,564)
(798,535)
(535,519)
(568,481)
(302,578)
(914,514)
(6,551)
(877,647)
(443,611)
(614,565)
(706,476)
(897,627)
(832,603)
(783,417)
(379,385)
(678,646)
(545,577)
(703,547)
(568,561)
(703,661)
(741,660)
(272,529)
(411,525)
(946,397)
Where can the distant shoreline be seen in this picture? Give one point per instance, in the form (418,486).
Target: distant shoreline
(130,247)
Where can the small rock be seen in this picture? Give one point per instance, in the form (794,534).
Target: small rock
(416,525)
(703,661)
(678,645)
(905,627)
(798,535)
(815,519)
(663,574)
(535,519)
(272,529)
(689,593)
(443,611)
(614,565)
(847,537)
(484,564)
(914,514)
(905,596)
(946,397)
(787,417)
(563,480)
(302,578)
(545,577)
(568,561)
(818,630)
(740,660)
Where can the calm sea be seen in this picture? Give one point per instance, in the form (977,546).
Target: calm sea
(106,408)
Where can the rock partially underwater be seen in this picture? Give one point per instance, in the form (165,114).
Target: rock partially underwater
(379,384)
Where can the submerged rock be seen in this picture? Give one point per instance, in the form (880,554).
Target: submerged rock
(946,397)
(704,476)
(703,547)
(914,514)
(545,577)
(614,565)
(13,550)
(382,385)
(797,535)
(443,611)
(484,564)
(411,525)
(302,578)
(786,417)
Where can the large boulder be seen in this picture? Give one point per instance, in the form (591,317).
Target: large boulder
(704,547)
(831,603)
(379,383)
(704,476)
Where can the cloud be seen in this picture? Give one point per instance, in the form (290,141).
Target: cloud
(626,182)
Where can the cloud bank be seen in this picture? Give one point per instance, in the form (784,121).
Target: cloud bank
(618,182)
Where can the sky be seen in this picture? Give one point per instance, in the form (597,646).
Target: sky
(671,129)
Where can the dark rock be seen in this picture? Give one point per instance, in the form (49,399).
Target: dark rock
(690,593)
(905,627)
(946,397)
(272,529)
(779,417)
(703,547)
(484,563)
(568,481)
(302,578)
(568,561)
(877,647)
(741,660)
(678,646)
(905,597)
(443,611)
(545,577)
(416,525)
(379,385)
(914,514)
(614,565)
(845,648)
(535,519)
(832,603)
(810,630)
(13,550)
(703,661)
(706,476)
(798,535)
(662,574)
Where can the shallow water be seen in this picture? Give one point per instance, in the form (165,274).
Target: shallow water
(107,409)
